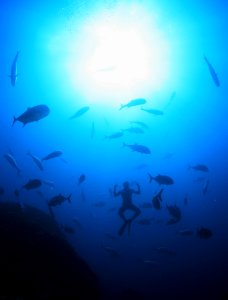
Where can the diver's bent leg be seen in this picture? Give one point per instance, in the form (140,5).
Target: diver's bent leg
(137,212)
(121,213)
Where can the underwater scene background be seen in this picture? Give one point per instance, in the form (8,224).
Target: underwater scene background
(130,90)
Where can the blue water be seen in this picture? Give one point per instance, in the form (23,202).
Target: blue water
(193,130)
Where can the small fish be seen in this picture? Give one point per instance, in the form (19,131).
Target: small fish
(186,232)
(161,179)
(114,135)
(32,184)
(36,160)
(49,183)
(172,97)
(111,251)
(33,114)
(136,130)
(204,233)
(138,148)
(153,111)
(199,167)
(80,112)
(81,179)
(205,187)
(150,262)
(11,160)
(52,155)
(134,102)
(142,124)
(165,250)
(13,74)
(59,199)
(212,72)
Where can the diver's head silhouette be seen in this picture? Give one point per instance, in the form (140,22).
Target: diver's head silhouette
(126,184)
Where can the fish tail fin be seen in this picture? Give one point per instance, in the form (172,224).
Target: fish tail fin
(14,120)
(69,198)
(121,106)
(150,177)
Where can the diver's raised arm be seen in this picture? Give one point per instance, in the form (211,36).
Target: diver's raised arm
(138,191)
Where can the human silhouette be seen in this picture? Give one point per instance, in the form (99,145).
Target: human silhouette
(126,194)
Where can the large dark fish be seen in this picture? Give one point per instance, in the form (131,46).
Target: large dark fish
(59,199)
(52,155)
(204,233)
(161,179)
(134,102)
(212,72)
(153,111)
(138,148)
(32,184)
(33,114)
(199,167)
(13,73)
(80,112)
(175,212)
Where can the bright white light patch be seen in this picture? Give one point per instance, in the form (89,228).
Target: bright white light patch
(116,54)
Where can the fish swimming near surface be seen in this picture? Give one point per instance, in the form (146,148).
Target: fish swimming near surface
(51,155)
(32,184)
(156,200)
(138,148)
(36,160)
(80,112)
(212,72)
(59,199)
(199,167)
(11,160)
(142,124)
(13,73)
(156,112)
(136,130)
(33,114)
(204,233)
(134,102)
(81,179)
(114,135)
(161,179)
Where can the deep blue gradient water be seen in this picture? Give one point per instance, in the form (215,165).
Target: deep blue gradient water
(54,41)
